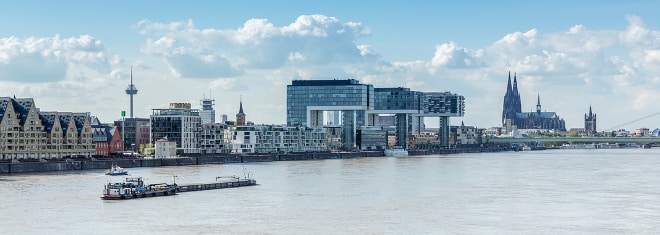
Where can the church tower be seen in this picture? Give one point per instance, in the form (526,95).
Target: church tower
(240,116)
(590,123)
(512,103)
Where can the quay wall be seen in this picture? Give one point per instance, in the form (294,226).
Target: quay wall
(88,164)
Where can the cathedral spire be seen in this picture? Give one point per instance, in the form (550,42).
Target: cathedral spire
(508,86)
(515,85)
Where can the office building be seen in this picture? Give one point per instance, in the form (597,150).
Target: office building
(207,113)
(180,123)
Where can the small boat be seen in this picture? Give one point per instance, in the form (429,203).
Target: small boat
(396,151)
(116,170)
(134,187)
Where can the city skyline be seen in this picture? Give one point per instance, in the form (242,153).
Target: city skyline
(604,55)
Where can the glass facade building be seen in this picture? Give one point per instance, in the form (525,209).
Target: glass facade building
(361,104)
(179,124)
(308,99)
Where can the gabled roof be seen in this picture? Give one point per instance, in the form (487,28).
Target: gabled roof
(103,131)
(4,101)
(95,121)
(79,119)
(48,119)
(65,118)
(22,108)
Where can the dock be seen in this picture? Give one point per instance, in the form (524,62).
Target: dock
(220,183)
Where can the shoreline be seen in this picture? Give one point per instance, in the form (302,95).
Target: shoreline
(199,159)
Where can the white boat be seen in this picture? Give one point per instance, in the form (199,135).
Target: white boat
(396,151)
(116,170)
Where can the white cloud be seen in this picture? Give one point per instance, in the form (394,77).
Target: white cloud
(312,40)
(49,59)
(450,55)
(570,69)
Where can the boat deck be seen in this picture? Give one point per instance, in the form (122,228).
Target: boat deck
(218,184)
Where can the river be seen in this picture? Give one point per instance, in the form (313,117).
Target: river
(613,191)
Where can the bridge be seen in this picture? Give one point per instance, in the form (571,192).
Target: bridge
(639,140)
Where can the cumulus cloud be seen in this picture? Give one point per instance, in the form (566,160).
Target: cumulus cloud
(49,59)
(453,56)
(311,40)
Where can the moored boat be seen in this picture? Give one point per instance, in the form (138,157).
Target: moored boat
(134,187)
(396,151)
(116,170)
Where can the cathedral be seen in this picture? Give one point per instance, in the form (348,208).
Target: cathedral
(512,114)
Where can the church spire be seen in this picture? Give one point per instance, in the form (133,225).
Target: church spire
(538,103)
(240,109)
(240,116)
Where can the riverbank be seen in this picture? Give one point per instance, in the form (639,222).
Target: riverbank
(196,159)
(91,164)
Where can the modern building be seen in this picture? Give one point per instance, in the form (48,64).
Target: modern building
(134,132)
(207,113)
(27,133)
(371,138)
(180,123)
(215,138)
(277,139)
(308,99)
(362,104)
(512,114)
(466,136)
(411,107)
(590,123)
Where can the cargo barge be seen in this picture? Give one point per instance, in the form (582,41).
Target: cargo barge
(134,187)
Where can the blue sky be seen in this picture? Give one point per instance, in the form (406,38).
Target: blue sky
(76,55)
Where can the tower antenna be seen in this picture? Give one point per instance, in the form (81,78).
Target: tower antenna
(131,90)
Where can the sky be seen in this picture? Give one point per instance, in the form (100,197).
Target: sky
(76,56)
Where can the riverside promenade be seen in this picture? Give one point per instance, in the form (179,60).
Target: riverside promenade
(199,159)
(106,163)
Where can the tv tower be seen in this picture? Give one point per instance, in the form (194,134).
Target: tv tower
(131,90)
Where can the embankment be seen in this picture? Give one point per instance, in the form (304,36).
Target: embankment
(88,164)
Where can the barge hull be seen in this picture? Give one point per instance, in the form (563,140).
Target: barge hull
(139,195)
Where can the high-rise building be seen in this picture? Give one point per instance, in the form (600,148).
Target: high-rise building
(308,99)
(207,113)
(361,104)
